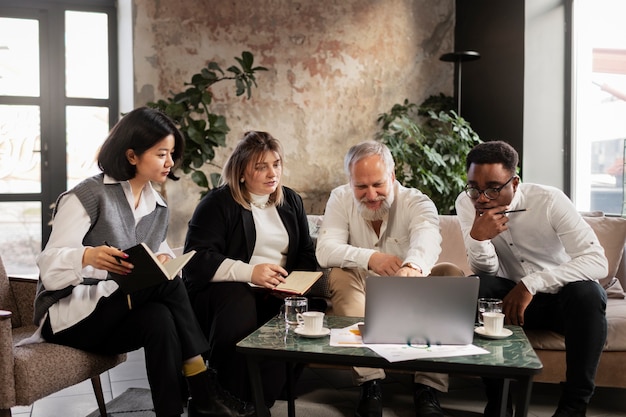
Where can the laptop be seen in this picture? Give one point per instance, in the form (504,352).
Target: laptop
(420,310)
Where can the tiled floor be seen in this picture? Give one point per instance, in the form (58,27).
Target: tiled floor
(331,388)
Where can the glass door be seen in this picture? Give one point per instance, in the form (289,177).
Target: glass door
(58,99)
(600,104)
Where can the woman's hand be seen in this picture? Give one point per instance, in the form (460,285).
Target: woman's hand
(107,258)
(268,275)
(164,258)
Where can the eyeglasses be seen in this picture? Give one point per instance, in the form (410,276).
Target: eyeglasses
(491,193)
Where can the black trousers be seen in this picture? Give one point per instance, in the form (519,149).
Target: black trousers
(578,312)
(228,312)
(161,321)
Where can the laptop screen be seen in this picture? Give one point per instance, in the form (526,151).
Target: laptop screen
(420,310)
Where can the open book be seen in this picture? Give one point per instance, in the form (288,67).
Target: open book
(148,271)
(298,282)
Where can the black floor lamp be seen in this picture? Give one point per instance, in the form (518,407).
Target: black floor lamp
(458,58)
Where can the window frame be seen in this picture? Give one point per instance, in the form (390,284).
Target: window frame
(52,100)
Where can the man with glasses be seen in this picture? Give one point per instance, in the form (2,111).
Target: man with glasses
(531,248)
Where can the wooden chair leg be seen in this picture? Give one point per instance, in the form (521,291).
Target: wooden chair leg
(97,390)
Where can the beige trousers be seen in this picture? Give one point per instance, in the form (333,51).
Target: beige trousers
(347,289)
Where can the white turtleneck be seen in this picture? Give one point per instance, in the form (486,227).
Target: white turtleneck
(272,242)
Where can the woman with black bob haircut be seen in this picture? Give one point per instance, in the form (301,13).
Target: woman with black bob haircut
(77,302)
(140,132)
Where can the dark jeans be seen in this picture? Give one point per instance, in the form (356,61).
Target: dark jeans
(578,312)
(161,321)
(228,312)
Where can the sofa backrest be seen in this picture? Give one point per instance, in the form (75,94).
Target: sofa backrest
(452,246)
(7,299)
(611,232)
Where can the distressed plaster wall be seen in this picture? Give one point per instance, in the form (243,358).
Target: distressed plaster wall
(334,66)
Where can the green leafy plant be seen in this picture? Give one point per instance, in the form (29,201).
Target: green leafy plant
(202,129)
(429,143)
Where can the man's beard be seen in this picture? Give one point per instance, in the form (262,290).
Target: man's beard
(378,214)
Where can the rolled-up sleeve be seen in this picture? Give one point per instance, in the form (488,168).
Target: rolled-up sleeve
(60,263)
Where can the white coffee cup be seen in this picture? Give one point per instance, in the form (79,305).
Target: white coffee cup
(494,322)
(311,322)
(486,305)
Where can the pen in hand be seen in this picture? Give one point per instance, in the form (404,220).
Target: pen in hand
(511,211)
(117,258)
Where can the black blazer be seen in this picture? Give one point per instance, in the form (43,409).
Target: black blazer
(221,228)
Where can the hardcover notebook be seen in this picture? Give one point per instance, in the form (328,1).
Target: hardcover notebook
(298,282)
(148,271)
(420,310)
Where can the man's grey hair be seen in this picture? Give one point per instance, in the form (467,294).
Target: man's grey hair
(365,149)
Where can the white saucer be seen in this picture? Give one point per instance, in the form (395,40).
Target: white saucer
(300,331)
(481,331)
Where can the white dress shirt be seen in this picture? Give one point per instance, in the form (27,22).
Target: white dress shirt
(410,231)
(60,263)
(546,247)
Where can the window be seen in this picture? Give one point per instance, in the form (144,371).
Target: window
(600,104)
(58,99)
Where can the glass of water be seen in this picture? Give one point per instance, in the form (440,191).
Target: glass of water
(293,306)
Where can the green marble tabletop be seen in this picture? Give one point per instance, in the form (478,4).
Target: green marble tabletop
(275,339)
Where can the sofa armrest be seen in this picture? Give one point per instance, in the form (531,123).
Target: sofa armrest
(621,271)
(7,383)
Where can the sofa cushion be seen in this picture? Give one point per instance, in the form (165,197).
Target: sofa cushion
(611,232)
(41,369)
(321,288)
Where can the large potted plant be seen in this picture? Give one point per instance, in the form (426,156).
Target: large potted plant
(202,129)
(429,143)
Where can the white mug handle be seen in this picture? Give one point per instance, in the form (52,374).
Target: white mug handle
(300,319)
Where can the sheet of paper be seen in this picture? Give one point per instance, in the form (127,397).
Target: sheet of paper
(350,337)
(346,337)
(397,353)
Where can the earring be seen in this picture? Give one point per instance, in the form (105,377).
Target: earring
(241,180)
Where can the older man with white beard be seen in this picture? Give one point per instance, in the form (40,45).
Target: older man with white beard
(374,225)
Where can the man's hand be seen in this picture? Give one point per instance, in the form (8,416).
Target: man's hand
(384,264)
(407,271)
(488,223)
(515,303)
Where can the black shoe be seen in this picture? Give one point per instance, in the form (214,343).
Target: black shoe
(371,401)
(568,410)
(492,409)
(209,399)
(226,406)
(426,402)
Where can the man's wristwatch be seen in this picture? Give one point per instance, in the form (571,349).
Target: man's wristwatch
(412,266)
